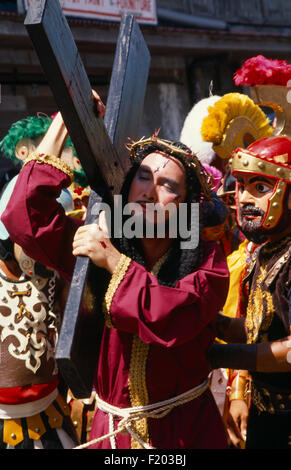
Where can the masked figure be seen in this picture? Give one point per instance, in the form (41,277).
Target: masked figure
(263,174)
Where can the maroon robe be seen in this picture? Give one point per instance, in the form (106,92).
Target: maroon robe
(155,339)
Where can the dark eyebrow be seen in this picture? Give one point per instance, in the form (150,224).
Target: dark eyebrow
(260,178)
(254,179)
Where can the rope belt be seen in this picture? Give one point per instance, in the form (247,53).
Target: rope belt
(129,415)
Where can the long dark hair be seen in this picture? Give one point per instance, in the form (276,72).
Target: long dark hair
(180,261)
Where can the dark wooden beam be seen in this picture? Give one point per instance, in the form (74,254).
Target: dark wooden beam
(65,72)
(102,156)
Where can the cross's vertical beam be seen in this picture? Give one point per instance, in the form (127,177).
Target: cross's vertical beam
(127,86)
(66,75)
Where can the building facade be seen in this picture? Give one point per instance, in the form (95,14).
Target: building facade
(196,44)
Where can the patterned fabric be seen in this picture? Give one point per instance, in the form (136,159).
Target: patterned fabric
(268,320)
(268,306)
(29,328)
(50,429)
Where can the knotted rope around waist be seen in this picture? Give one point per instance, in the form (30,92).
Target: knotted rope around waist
(129,415)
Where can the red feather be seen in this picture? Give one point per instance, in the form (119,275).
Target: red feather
(262,71)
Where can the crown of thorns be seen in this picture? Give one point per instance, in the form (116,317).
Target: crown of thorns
(168,147)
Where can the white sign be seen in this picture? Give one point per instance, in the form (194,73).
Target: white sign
(144,10)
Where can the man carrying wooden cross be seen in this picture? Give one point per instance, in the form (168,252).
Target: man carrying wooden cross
(161,295)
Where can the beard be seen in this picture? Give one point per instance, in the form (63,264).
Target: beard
(252,229)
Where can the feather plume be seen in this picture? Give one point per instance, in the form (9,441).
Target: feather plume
(231,105)
(259,70)
(191,131)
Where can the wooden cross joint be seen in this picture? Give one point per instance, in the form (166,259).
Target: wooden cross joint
(100,146)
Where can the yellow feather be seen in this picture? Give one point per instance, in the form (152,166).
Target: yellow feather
(227,108)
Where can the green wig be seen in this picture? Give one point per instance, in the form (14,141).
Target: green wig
(32,127)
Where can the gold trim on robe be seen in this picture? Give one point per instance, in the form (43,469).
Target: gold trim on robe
(137,377)
(116,278)
(51,160)
(138,393)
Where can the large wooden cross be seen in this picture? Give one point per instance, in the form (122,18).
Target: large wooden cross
(100,148)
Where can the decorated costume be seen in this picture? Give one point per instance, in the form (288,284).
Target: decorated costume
(267,80)
(33,413)
(152,360)
(213,128)
(267,288)
(269,278)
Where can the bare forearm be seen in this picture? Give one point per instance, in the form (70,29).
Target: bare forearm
(275,356)
(54,139)
(112,260)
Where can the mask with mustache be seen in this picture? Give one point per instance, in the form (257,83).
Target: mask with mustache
(252,228)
